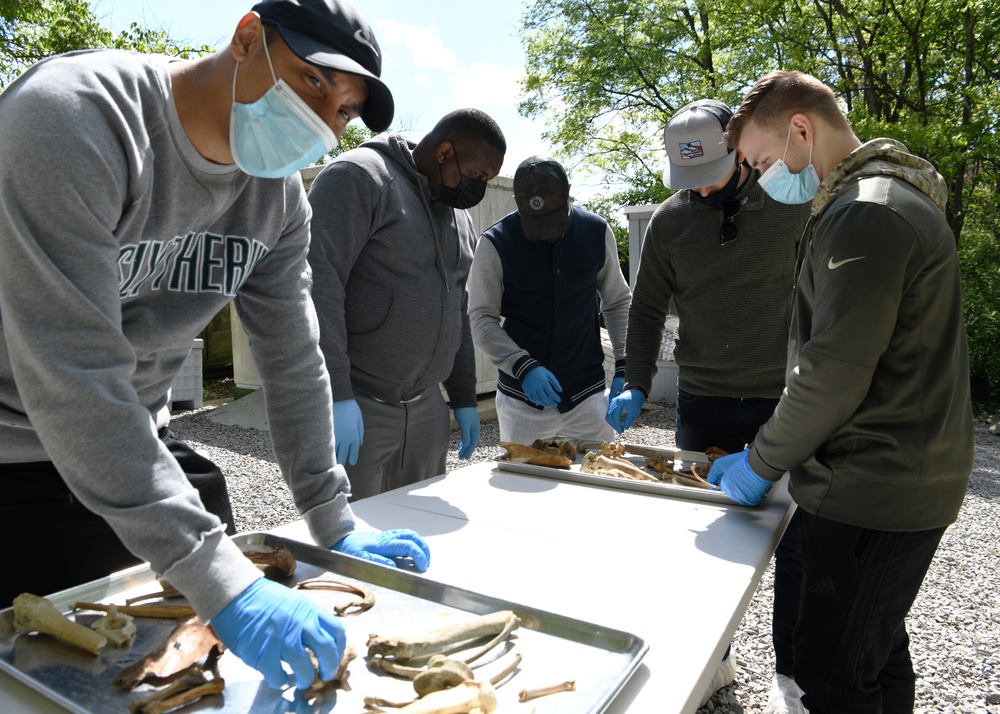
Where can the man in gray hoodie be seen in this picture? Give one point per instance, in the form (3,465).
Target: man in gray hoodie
(177,191)
(391,250)
(874,425)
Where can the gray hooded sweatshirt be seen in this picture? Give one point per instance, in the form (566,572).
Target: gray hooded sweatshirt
(390,264)
(118,243)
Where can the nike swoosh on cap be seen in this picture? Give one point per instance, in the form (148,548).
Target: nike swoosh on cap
(833,265)
(364,40)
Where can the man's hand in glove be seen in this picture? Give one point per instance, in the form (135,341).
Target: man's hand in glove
(269,623)
(623,409)
(541,387)
(467,419)
(348,430)
(383,546)
(737,480)
(617,385)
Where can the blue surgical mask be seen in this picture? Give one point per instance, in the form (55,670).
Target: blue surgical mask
(278,134)
(784,186)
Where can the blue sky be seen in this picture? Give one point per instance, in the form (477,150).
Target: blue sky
(439,55)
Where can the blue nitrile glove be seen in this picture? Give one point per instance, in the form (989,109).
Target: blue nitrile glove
(739,481)
(723,464)
(617,385)
(268,623)
(348,430)
(541,387)
(468,426)
(383,546)
(623,409)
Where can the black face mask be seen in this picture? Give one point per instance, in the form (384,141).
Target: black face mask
(728,191)
(467,194)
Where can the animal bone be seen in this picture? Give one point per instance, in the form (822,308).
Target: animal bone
(556,446)
(391,666)
(520,453)
(427,643)
(466,698)
(265,557)
(165,612)
(661,464)
(714,452)
(594,463)
(116,627)
(526,695)
(367,601)
(340,678)
(191,686)
(612,451)
(36,614)
(441,673)
(186,645)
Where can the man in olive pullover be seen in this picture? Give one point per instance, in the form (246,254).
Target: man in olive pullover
(875,423)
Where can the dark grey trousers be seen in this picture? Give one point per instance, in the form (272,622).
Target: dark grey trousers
(402,444)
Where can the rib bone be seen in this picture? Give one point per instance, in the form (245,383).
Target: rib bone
(191,686)
(354,607)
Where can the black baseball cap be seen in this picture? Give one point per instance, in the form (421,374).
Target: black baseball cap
(541,191)
(332,33)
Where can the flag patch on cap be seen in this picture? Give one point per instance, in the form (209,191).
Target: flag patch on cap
(691,149)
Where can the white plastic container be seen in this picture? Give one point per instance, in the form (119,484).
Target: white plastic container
(186,389)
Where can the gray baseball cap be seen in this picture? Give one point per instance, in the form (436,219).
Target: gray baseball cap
(697,153)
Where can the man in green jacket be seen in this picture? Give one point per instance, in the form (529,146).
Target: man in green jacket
(875,423)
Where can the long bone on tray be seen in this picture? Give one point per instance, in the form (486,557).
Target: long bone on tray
(445,639)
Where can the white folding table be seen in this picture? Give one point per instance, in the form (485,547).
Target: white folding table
(678,573)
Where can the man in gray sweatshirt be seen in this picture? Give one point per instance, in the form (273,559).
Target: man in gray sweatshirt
(391,251)
(177,191)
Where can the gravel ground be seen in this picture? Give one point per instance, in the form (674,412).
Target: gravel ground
(954,624)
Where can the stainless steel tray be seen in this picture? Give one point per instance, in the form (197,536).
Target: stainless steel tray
(554,648)
(670,490)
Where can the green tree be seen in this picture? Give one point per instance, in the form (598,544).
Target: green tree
(607,74)
(31,30)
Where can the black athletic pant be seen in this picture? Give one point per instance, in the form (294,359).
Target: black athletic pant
(731,423)
(52,542)
(851,646)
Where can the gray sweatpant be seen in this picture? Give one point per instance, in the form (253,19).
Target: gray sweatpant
(402,443)
(523,423)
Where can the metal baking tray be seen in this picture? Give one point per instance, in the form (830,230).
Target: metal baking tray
(682,459)
(554,648)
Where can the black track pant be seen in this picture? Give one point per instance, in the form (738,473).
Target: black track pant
(851,646)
